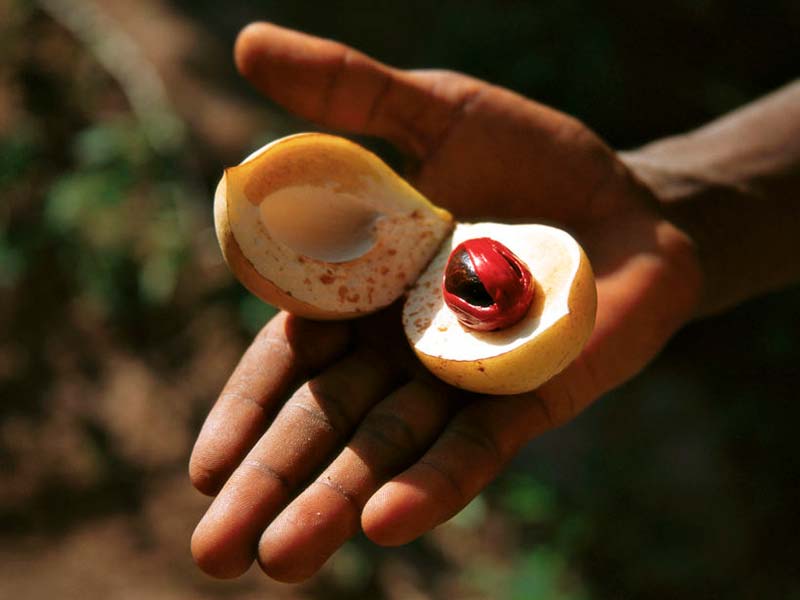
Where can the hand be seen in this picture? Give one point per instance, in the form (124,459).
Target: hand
(369,440)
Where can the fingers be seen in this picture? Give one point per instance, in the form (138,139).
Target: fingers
(470,450)
(469,453)
(312,424)
(287,349)
(327,513)
(329,83)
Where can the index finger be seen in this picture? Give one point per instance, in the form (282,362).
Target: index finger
(286,350)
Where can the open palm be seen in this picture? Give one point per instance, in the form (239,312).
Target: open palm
(328,427)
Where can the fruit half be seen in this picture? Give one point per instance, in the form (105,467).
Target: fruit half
(320,227)
(521,357)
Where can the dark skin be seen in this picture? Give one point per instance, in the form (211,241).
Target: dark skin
(328,428)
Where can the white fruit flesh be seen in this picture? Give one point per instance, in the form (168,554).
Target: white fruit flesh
(319,226)
(523,356)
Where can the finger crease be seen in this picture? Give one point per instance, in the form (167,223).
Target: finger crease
(545,406)
(445,475)
(417,133)
(339,489)
(573,408)
(377,102)
(461,108)
(318,415)
(242,399)
(591,200)
(274,342)
(332,407)
(382,438)
(591,373)
(402,430)
(333,83)
(479,439)
(265,469)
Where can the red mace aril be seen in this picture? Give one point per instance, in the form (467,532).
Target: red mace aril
(486,285)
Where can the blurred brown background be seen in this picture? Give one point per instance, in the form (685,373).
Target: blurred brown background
(120,323)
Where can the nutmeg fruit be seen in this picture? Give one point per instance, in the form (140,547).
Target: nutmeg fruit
(322,228)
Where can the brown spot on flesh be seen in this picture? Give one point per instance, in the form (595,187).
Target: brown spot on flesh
(422,324)
(327,279)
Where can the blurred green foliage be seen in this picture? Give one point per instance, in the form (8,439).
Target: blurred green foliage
(92,211)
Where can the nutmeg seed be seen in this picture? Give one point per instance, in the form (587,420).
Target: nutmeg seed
(486,285)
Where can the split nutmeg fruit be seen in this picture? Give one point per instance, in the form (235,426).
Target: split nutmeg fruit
(322,228)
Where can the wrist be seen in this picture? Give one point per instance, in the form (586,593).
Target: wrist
(732,187)
(678,193)
(724,218)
